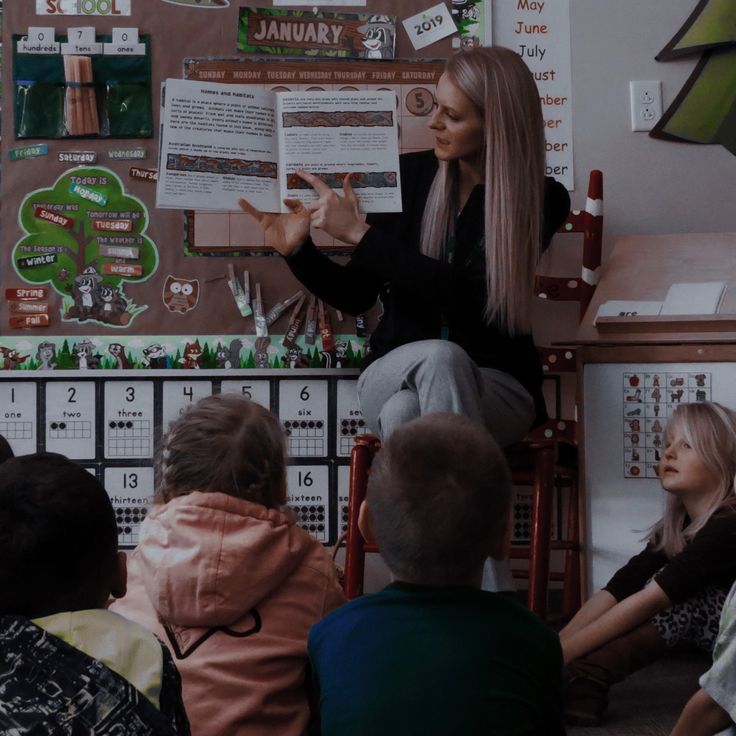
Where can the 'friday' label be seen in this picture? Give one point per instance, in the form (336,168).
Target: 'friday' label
(17,154)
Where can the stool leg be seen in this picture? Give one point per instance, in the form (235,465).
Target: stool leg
(544,466)
(361,458)
(571,590)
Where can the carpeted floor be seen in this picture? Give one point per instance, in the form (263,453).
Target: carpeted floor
(649,702)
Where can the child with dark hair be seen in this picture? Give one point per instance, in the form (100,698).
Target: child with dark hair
(226,577)
(432,653)
(66,664)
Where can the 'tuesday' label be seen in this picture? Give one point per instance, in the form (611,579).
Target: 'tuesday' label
(429,26)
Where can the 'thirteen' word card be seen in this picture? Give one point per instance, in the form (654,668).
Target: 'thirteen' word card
(429,26)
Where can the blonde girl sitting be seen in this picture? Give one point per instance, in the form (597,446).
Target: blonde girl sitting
(675,588)
(225,578)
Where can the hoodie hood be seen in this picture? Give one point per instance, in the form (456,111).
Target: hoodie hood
(208,558)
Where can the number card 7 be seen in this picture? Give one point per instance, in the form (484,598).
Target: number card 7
(429,26)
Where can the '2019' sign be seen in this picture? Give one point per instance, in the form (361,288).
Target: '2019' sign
(83,7)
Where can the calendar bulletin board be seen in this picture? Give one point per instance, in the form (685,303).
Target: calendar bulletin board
(116,315)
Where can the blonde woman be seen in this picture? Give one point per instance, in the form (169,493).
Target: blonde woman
(455,270)
(675,588)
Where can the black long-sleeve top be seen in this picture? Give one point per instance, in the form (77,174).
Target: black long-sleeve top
(708,559)
(417,291)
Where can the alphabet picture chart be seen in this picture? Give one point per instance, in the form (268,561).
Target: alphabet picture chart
(18,416)
(131,494)
(649,399)
(258,391)
(309,498)
(350,422)
(128,419)
(70,419)
(179,396)
(343,488)
(303,413)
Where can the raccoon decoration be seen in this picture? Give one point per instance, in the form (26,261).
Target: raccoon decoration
(180,295)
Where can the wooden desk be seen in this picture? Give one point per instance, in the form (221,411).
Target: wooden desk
(632,380)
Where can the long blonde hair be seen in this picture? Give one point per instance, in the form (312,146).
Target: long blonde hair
(710,429)
(501,86)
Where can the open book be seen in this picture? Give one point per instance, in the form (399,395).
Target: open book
(220,142)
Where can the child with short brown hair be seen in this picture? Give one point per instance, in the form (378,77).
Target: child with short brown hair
(432,653)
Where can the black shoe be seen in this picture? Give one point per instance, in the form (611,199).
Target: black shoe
(586,701)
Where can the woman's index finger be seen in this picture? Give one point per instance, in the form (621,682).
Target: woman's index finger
(250,209)
(314,181)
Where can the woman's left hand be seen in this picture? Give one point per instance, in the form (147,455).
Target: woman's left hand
(337,216)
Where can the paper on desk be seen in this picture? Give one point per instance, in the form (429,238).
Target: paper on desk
(627,308)
(694,298)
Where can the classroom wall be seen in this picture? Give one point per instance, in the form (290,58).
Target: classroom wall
(650,186)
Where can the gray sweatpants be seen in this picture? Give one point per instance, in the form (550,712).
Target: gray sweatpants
(439,376)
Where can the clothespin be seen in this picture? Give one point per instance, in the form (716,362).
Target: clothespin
(260,320)
(241,297)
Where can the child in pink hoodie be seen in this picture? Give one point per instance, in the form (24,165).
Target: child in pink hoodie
(227,579)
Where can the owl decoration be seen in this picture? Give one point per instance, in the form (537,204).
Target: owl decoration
(180,295)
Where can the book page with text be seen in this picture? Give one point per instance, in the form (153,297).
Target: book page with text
(331,134)
(218,144)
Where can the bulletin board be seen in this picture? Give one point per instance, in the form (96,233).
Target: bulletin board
(111,303)
(86,203)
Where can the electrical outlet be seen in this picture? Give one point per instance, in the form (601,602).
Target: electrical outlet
(646,104)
